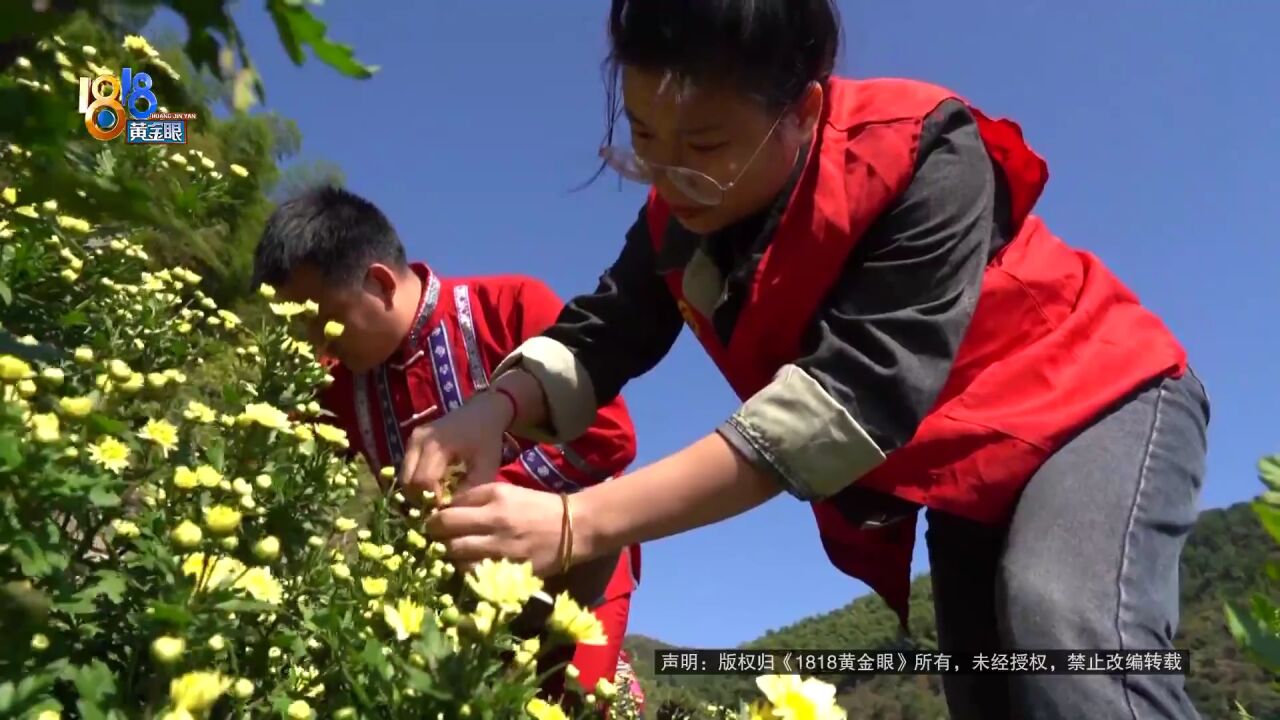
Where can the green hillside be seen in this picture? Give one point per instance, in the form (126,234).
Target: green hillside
(1223,559)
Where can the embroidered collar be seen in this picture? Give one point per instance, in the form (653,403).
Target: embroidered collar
(410,348)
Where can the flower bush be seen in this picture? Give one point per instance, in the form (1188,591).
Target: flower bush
(182,555)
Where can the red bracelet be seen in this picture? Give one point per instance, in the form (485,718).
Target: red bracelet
(515,406)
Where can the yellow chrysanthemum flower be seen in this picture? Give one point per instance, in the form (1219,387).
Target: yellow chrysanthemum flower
(243,688)
(10,195)
(13,369)
(331,434)
(287,309)
(540,709)
(49,715)
(405,618)
(371,551)
(162,433)
(212,572)
(110,454)
(133,384)
(793,698)
(505,584)
(83,355)
(208,476)
(44,427)
(168,649)
(199,412)
(125,529)
(184,478)
(343,524)
(187,535)
(197,691)
(221,520)
(484,616)
(230,319)
(137,43)
(54,376)
(299,710)
(240,170)
(572,620)
(264,414)
(333,329)
(75,224)
(373,586)
(76,407)
(261,585)
(268,548)
(119,369)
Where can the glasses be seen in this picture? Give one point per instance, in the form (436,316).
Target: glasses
(698,187)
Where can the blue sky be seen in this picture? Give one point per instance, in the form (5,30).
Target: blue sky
(1154,119)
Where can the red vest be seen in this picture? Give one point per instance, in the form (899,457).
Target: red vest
(1055,340)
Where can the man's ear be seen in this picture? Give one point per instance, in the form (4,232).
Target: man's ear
(382,281)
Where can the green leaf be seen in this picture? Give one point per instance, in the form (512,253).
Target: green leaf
(31,557)
(216,454)
(90,711)
(94,682)
(74,318)
(175,614)
(1269,516)
(1269,471)
(78,606)
(110,583)
(104,498)
(10,452)
(6,696)
(297,27)
(107,425)
(5,293)
(1255,636)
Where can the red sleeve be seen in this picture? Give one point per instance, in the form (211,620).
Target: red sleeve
(604,450)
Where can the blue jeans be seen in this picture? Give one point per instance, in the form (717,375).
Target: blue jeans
(1089,561)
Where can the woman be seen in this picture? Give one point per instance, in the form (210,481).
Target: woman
(860,260)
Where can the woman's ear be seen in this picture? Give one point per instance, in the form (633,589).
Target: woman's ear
(809,110)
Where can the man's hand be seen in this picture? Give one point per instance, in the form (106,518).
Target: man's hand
(472,434)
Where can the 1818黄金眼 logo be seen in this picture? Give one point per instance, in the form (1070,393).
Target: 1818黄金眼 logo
(113,105)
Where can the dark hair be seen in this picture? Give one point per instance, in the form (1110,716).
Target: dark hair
(336,231)
(769,49)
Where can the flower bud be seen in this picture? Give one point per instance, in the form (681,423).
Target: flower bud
(168,649)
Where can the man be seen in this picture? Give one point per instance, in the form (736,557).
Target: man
(415,346)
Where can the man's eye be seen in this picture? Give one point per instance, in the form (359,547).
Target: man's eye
(707,147)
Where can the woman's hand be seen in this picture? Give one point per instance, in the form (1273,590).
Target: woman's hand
(471,434)
(501,521)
